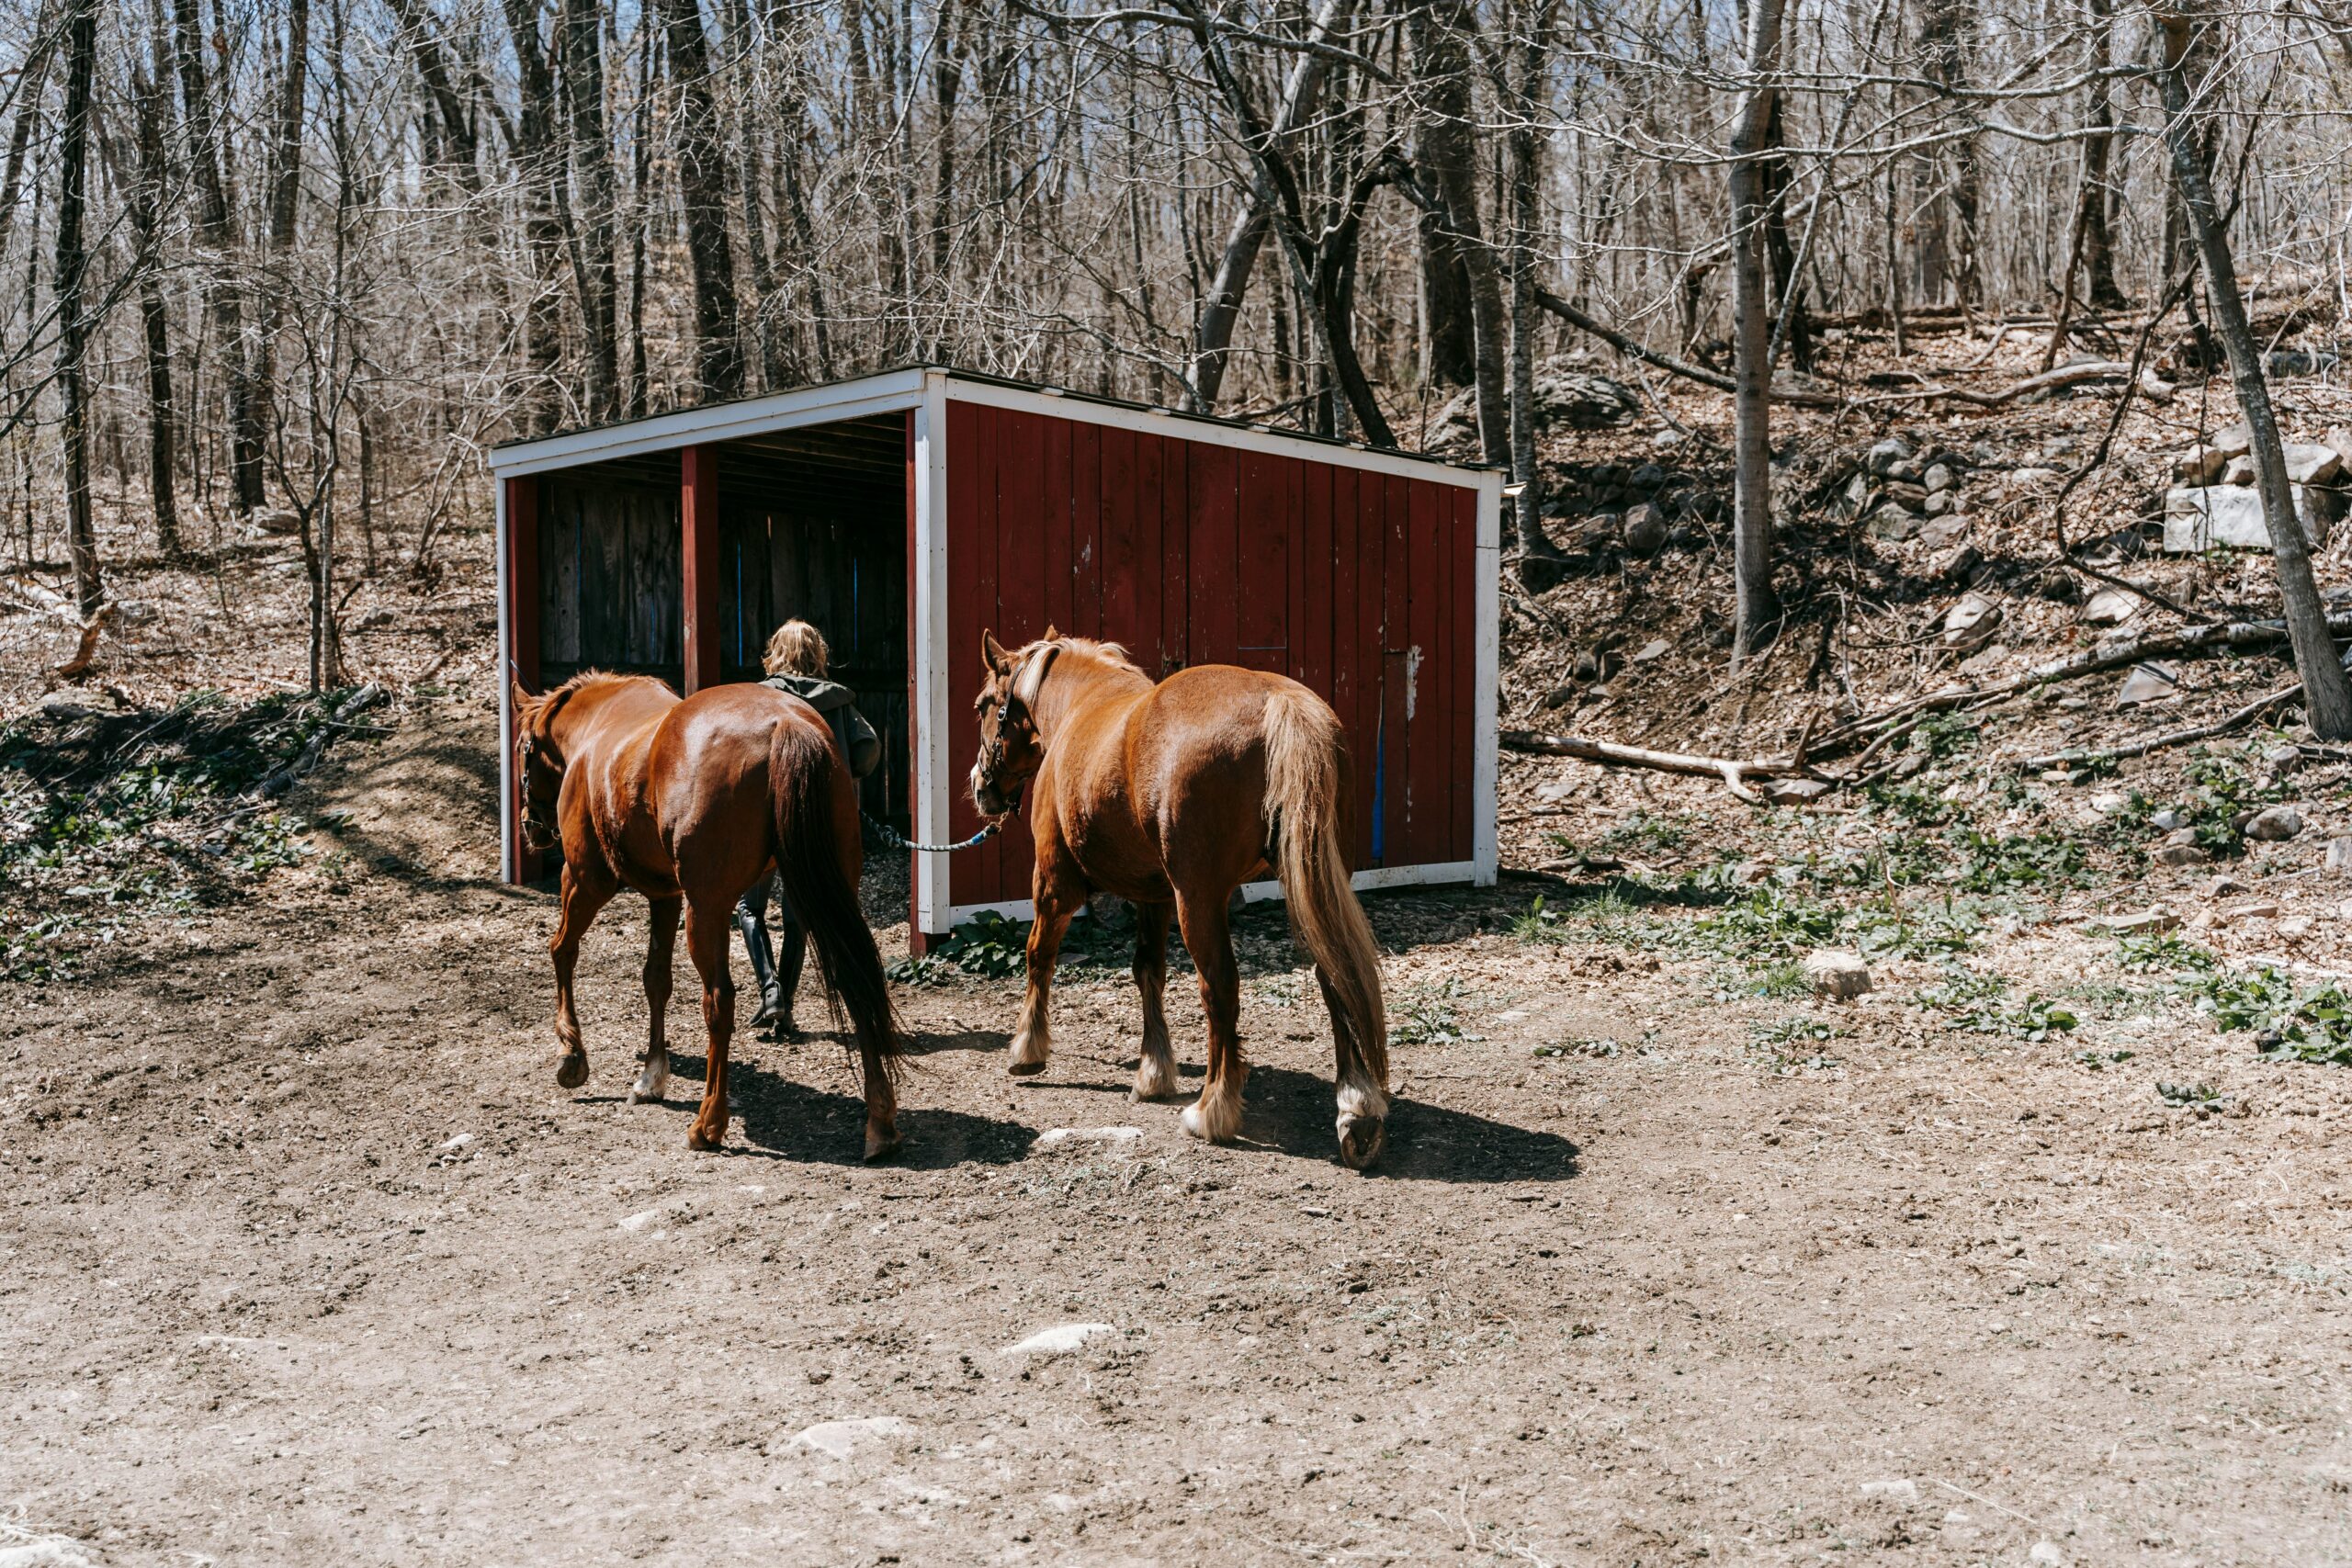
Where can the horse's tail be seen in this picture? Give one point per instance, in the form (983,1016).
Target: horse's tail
(809,872)
(1305,788)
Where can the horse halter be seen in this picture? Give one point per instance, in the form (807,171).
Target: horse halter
(1021,701)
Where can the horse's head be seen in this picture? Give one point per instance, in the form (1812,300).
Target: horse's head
(1011,750)
(539,765)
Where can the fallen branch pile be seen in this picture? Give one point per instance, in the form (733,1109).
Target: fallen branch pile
(1874,732)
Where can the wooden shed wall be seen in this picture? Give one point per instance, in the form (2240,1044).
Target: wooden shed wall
(1360,585)
(611,592)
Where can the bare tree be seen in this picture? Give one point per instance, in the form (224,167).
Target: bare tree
(1755,608)
(73,302)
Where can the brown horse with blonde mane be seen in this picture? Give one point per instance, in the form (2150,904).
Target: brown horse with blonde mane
(1171,796)
(690,803)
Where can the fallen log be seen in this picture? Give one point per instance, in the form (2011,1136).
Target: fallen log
(1667,362)
(86,652)
(1733,771)
(2049,380)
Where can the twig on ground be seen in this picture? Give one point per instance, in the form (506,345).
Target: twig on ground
(2188,737)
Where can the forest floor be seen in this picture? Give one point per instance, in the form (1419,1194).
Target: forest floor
(2033,1253)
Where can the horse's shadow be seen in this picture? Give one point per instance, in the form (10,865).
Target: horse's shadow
(1289,1112)
(781,1118)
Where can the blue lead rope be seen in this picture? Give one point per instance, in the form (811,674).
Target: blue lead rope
(893,839)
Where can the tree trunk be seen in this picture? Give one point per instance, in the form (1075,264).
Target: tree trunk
(592,152)
(1788,288)
(1755,608)
(702,191)
(285,190)
(1213,339)
(2098,197)
(2327,693)
(31,77)
(1527,224)
(147,185)
(1441,60)
(213,232)
(540,175)
(81,21)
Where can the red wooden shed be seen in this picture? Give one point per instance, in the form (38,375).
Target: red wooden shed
(907,511)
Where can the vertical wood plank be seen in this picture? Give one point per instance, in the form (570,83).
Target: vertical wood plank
(1021,602)
(1213,475)
(1053,524)
(1395,741)
(1430,796)
(524,596)
(1339,580)
(1462,651)
(698,511)
(1086,529)
(971,610)
(1310,582)
(1120,500)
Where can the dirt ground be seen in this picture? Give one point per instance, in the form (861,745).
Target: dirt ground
(306,1260)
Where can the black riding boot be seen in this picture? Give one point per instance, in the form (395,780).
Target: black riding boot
(751,919)
(792,954)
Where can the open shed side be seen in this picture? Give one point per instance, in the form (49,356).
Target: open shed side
(904,514)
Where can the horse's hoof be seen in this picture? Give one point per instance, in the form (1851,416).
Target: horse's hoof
(1154,1081)
(703,1142)
(1361,1140)
(572,1071)
(881,1143)
(1024,1069)
(1211,1127)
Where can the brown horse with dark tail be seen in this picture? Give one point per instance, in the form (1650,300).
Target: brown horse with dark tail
(690,803)
(1171,796)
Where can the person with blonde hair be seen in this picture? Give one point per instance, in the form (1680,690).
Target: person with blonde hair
(796,661)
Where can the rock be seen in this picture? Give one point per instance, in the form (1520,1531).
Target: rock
(1956,565)
(2168,819)
(2251,909)
(451,1145)
(2109,607)
(1646,476)
(1651,651)
(2339,856)
(2199,465)
(2231,441)
(1938,502)
(2238,472)
(1748,872)
(2181,836)
(2156,918)
(1983,662)
(1059,1340)
(638,1222)
(2155,388)
(1885,455)
(1944,530)
(2300,361)
(1971,622)
(382,616)
(2339,441)
(1854,497)
(1836,975)
(1910,497)
(2147,683)
(1904,472)
(1794,791)
(2024,479)
(2107,803)
(1645,529)
(1559,696)
(2275,825)
(1115,1136)
(1576,399)
(2046,1554)
(2294,928)
(2224,885)
(1937,478)
(2178,854)
(840,1440)
(278,520)
(1890,523)
(2310,464)
(1904,1491)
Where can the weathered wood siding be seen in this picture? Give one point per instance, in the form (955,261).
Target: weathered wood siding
(1357,585)
(611,585)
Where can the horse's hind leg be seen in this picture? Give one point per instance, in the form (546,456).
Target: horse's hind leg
(707,934)
(1364,1099)
(1156,1069)
(1208,937)
(661,944)
(1032,1041)
(581,901)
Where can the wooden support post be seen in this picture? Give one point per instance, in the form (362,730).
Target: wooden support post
(919,942)
(523,641)
(698,508)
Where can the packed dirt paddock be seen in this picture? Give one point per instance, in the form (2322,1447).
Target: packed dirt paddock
(308,1260)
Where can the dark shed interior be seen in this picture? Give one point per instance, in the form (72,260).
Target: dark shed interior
(811,523)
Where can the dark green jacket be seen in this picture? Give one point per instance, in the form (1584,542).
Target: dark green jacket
(860,745)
